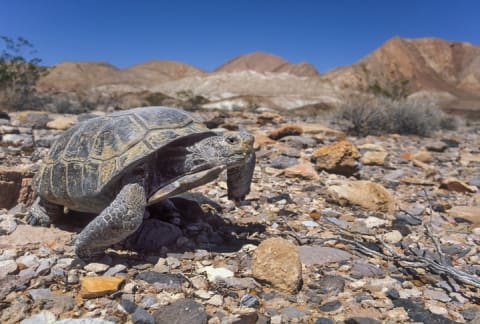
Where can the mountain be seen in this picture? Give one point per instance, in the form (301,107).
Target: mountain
(74,76)
(436,70)
(264,62)
(429,64)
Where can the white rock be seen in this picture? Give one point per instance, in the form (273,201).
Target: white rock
(96,267)
(310,224)
(216,300)
(439,310)
(44,317)
(214,274)
(7,267)
(372,222)
(203,294)
(392,237)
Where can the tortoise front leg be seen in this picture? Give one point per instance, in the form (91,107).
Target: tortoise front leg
(239,179)
(115,223)
(43,213)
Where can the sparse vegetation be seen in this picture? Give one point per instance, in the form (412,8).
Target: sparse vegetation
(363,115)
(189,100)
(20,69)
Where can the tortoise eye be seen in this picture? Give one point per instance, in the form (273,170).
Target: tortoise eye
(232,140)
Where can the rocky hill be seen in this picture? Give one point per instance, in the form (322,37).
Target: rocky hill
(75,76)
(264,62)
(433,69)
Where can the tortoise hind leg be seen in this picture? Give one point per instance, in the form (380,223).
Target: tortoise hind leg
(43,213)
(114,224)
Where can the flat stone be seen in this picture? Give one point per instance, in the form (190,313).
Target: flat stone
(215,300)
(331,307)
(7,225)
(240,283)
(96,267)
(180,312)
(369,195)
(453,184)
(115,269)
(84,321)
(277,262)
(393,237)
(374,158)
(437,295)
(361,320)
(62,122)
(7,267)
(26,235)
(283,162)
(162,280)
(28,261)
(92,287)
(331,285)
(249,300)
(310,255)
(44,317)
(141,316)
(214,274)
(302,170)
(469,213)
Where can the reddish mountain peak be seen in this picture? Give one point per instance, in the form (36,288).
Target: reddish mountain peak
(266,62)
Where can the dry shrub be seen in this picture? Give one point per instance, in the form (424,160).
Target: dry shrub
(363,115)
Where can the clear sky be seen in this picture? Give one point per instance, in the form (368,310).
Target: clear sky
(208,33)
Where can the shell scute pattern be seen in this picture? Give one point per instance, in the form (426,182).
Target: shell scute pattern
(91,154)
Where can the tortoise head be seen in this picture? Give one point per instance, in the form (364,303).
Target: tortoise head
(230,150)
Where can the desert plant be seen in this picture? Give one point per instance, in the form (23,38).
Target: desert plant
(190,101)
(19,71)
(363,115)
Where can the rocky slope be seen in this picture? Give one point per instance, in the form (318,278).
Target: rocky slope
(336,229)
(264,62)
(447,73)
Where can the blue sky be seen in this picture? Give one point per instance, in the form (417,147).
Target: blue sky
(208,33)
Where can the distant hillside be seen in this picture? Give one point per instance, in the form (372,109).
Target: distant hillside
(74,76)
(264,62)
(445,72)
(427,63)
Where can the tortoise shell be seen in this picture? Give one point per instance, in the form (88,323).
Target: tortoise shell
(93,153)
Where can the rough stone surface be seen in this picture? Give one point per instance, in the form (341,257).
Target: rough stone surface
(369,195)
(310,255)
(340,157)
(277,261)
(99,286)
(182,311)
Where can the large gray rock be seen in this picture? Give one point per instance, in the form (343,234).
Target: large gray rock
(180,312)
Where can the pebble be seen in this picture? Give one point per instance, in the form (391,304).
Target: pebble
(249,300)
(182,311)
(319,255)
(92,287)
(7,267)
(141,316)
(214,274)
(96,267)
(44,317)
(115,270)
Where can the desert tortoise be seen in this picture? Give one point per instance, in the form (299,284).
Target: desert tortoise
(118,164)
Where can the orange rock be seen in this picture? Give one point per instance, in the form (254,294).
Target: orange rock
(277,261)
(423,156)
(261,140)
(367,194)
(11,181)
(340,157)
(285,130)
(406,155)
(453,184)
(304,170)
(92,287)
